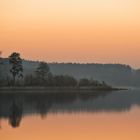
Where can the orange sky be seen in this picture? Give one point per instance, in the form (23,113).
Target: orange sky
(103,31)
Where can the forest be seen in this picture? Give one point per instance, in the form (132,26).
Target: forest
(12,74)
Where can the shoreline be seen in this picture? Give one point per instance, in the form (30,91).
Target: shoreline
(57,89)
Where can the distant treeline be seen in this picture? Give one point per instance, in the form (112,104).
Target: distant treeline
(113,74)
(13,72)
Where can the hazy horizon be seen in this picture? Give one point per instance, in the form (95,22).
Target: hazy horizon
(68,62)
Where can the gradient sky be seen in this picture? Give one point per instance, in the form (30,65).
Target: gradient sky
(102,31)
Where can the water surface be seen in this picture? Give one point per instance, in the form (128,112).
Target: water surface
(76,116)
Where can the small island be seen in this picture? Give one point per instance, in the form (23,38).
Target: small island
(42,80)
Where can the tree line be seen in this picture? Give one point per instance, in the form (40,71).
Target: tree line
(42,76)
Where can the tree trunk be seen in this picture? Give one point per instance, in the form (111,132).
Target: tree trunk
(14,80)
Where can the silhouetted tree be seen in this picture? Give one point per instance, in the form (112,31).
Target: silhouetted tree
(50,79)
(84,82)
(42,72)
(92,83)
(30,80)
(17,68)
(64,80)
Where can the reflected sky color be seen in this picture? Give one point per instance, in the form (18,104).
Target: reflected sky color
(100,115)
(99,126)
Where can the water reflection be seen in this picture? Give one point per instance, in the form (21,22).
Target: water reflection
(15,114)
(14,106)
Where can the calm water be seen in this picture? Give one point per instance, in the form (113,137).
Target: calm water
(91,116)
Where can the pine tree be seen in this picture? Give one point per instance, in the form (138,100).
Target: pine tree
(16,66)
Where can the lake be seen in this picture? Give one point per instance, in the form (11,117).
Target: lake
(101,115)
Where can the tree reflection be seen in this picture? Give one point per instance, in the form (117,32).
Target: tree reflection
(15,115)
(43,104)
(43,108)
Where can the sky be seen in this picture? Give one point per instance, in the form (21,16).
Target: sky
(85,31)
